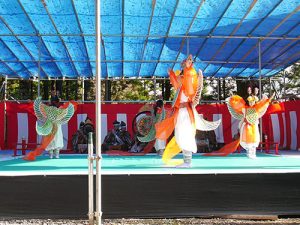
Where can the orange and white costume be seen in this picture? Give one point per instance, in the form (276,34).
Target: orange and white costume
(185,119)
(249,118)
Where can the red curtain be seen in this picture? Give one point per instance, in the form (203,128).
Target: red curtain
(18,127)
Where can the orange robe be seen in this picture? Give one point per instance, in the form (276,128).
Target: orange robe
(186,88)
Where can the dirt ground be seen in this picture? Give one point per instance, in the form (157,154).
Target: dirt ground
(188,221)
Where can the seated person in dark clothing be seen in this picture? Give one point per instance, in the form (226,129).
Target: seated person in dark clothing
(125,136)
(88,126)
(137,146)
(54,100)
(202,141)
(113,141)
(78,139)
(212,139)
(206,141)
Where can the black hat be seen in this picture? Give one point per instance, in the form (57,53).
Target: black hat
(116,122)
(123,124)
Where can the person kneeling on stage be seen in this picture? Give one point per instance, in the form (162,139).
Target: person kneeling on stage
(112,140)
(78,139)
(125,137)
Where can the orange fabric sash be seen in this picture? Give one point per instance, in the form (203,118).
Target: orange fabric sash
(39,150)
(226,149)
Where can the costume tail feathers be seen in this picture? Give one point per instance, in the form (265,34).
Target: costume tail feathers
(39,150)
(226,149)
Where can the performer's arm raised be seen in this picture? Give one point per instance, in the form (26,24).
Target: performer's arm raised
(173,79)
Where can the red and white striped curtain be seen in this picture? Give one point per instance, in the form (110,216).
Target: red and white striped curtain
(280,122)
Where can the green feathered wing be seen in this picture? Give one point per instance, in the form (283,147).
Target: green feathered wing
(50,115)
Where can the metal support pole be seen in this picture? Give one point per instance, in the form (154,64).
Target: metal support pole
(270,85)
(91,178)
(259,67)
(82,97)
(187,46)
(260,91)
(5,111)
(5,89)
(224,89)
(39,71)
(98,213)
(284,73)
(218,81)
(154,80)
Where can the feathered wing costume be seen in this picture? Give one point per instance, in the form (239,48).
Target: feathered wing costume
(249,117)
(52,118)
(150,136)
(185,119)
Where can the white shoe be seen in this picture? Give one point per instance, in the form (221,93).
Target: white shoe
(57,156)
(184,165)
(252,156)
(51,156)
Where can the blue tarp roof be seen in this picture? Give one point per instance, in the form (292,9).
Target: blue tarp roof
(143,38)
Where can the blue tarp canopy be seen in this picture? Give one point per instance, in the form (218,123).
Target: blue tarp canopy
(143,38)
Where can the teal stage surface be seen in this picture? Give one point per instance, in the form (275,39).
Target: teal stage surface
(151,164)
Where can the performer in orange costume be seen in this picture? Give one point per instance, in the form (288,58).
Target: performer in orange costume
(249,115)
(185,119)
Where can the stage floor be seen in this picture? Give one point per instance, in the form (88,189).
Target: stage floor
(142,187)
(288,162)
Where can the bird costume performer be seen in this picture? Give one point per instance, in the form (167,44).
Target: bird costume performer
(52,119)
(185,119)
(146,126)
(249,116)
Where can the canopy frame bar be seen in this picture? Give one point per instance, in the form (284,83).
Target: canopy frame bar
(284,51)
(123,32)
(186,36)
(232,33)
(297,54)
(250,33)
(173,61)
(104,53)
(37,34)
(83,38)
(19,41)
(167,35)
(186,33)
(211,31)
(62,40)
(274,29)
(148,32)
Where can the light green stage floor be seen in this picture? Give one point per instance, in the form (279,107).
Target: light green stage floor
(152,164)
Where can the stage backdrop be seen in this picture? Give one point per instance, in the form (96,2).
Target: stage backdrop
(280,122)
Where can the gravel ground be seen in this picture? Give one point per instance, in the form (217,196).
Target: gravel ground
(189,221)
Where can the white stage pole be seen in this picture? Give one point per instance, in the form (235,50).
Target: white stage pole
(98,213)
(91,179)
